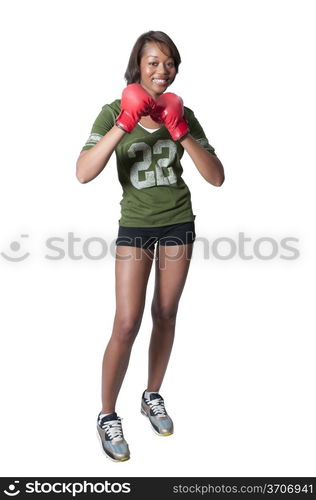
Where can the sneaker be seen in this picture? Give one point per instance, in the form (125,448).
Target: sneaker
(112,439)
(154,409)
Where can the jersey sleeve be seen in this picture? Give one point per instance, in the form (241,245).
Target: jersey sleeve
(197,131)
(102,124)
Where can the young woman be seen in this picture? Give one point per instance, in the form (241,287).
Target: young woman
(149,131)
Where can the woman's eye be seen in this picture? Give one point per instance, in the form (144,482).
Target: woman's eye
(154,63)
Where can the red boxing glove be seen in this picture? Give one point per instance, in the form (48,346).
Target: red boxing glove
(169,110)
(135,102)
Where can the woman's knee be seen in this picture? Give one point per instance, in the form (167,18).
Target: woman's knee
(125,329)
(166,314)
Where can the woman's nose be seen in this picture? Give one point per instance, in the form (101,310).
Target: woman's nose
(163,68)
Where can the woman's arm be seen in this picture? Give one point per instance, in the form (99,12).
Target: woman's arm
(135,103)
(207,164)
(92,161)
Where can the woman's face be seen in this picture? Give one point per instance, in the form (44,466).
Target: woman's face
(157,69)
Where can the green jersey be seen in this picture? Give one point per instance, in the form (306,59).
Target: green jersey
(150,171)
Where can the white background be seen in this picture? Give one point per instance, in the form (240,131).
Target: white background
(240,383)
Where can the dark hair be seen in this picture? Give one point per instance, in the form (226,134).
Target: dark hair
(132,73)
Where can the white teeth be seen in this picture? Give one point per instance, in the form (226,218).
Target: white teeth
(159,81)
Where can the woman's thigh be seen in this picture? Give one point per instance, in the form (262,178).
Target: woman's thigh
(132,270)
(171,269)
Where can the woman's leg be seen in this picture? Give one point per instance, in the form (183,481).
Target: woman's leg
(132,270)
(172,265)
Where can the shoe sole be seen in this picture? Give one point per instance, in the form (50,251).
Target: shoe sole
(153,428)
(124,459)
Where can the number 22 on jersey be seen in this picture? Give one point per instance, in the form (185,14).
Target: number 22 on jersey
(153,177)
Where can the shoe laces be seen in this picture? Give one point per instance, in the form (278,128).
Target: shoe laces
(113,429)
(157,406)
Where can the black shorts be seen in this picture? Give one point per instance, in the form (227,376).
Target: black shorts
(146,237)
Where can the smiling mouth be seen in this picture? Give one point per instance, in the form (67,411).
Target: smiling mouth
(160,81)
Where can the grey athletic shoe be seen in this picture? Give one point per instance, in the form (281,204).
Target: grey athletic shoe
(112,439)
(154,409)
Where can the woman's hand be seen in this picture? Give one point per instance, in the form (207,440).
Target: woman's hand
(135,103)
(169,110)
